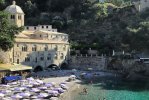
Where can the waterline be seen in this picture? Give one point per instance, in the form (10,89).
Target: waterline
(96,92)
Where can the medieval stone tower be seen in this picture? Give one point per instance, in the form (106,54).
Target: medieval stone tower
(16,16)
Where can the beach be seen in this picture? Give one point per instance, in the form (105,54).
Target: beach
(62,76)
(74,86)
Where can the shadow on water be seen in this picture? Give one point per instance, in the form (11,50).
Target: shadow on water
(115,83)
(105,82)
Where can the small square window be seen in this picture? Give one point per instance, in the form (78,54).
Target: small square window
(36,60)
(19,17)
(41,58)
(48,58)
(42,26)
(34,28)
(12,16)
(47,26)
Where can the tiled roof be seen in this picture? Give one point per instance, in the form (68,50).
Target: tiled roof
(48,32)
(21,35)
(39,41)
(14,9)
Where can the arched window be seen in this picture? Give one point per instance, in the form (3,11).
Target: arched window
(18,61)
(49,57)
(64,47)
(12,16)
(56,47)
(24,48)
(36,60)
(62,56)
(34,48)
(41,58)
(19,17)
(27,59)
(46,48)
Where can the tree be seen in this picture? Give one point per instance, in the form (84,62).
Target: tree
(30,9)
(7,32)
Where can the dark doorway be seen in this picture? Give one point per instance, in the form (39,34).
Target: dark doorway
(38,68)
(64,66)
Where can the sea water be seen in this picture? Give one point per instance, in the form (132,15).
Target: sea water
(114,90)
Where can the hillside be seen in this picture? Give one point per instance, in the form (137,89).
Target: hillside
(113,25)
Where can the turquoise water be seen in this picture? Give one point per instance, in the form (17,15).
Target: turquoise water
(121,91)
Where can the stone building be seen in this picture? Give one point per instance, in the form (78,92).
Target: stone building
(141,4)
(87,62)
(37,46)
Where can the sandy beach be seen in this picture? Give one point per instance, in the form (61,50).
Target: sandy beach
(73,86)
(62,76)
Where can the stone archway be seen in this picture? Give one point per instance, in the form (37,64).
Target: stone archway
(53,66)
(64,66)
(38,68)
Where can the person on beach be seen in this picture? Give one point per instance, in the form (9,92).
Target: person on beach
(85,90)
(91,82)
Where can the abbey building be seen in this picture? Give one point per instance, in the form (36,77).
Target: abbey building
(38,46)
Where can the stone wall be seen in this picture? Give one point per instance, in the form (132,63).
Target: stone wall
(6,57)
(85,62)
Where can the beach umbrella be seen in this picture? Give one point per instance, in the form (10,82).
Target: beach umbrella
(53,83)
(53,98)
(48,91)
(22,81)
(6,91)
(4,85)
(19,88)
(7,98)
(42,88)
(43,95)
(34,97)
(52,92)
(39,81)
(29,86)
(16,96)
(13,83)
(63,86)
(2,95)
(30,79)
(35,90)
(60,90)
(36,83)
(26,94)
(48,85)
(55,93)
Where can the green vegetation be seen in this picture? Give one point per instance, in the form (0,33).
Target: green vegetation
(104,26)
(7,32)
